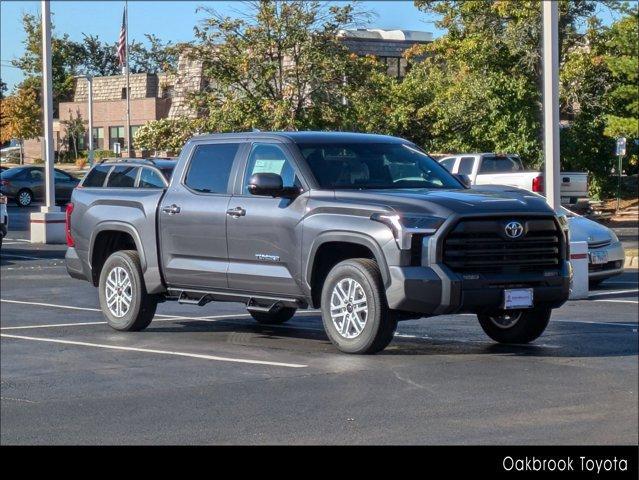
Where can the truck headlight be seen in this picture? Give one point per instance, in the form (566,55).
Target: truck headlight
(404,226)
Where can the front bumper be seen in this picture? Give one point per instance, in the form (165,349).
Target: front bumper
(614,266)
(436,290)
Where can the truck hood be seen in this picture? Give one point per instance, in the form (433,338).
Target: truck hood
(480,199)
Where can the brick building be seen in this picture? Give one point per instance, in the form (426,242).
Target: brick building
(157,96)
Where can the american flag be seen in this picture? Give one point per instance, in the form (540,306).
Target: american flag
(122,41)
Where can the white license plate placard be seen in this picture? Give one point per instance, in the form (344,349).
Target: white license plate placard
(597,258)
(518,298)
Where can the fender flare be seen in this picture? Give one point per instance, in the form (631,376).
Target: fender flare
(118,227)
(346,237)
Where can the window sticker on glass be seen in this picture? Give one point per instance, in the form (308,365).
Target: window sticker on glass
(269,166)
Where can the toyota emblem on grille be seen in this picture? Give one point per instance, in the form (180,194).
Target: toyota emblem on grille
(514,229)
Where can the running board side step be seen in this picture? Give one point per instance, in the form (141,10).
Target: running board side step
(252,306)
(255,303)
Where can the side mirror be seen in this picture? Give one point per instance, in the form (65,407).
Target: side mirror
(464,179)
(269,184)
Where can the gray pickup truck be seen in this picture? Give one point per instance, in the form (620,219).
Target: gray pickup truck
(368,228)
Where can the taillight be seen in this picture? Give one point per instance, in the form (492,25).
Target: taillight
(538,184)
(70,241)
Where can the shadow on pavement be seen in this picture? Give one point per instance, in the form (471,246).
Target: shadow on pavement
(560,340)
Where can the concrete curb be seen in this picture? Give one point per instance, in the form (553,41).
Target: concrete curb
(631,262)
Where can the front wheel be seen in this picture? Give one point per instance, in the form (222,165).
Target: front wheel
(354,310)
(124,301)
(517,326)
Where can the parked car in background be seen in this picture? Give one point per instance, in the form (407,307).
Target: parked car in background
(25,184)
(4,218)
(605,251)
(505,169)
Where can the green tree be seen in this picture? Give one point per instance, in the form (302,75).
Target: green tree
(158,56)
(75,128)
(99,58)
(485,73)
(279,67)
(622,60)
(66,58)
(167,135)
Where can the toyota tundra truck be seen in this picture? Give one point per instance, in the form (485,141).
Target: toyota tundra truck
(367,228)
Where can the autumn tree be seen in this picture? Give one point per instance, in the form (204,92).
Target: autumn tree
(20,117)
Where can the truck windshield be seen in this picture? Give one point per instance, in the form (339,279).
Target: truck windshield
(375,165)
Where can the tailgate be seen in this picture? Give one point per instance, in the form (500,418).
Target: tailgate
(574,185)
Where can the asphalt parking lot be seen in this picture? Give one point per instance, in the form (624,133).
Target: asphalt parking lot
(212,375)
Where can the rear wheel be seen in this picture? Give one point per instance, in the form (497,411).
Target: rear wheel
(354,310)
(517,326)
(124,301)
(24,197)
(594,283)
(282,315)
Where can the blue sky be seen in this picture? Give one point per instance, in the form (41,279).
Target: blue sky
(169,20)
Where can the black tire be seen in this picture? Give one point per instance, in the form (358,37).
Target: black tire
(24,197)
(142,305)
(528,325)
(380,322)
(595,282)
(278,317)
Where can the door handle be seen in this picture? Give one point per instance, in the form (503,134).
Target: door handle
(171,209)
(236,212)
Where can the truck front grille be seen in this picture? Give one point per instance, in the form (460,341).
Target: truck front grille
(482,246)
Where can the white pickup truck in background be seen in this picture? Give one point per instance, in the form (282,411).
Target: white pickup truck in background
(506,169)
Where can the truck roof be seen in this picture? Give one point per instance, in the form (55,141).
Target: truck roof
(308,137)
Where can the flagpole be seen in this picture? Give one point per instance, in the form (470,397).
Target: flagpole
(128,90)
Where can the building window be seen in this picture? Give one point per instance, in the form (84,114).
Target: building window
(98,138)
(123,95)
(116,135)
(134,128)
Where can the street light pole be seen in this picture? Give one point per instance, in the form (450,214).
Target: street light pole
(90,114)
(47,225)
(47,89)
(550,68)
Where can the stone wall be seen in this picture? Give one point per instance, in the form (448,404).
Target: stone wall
(189,79)
(142,85)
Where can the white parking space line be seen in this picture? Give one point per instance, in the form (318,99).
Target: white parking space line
(53,325)
(635,302)
(608,324)
(154,351)
(22,257)
(613,292)
(40,304)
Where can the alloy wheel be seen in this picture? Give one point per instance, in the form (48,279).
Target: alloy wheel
(349,308)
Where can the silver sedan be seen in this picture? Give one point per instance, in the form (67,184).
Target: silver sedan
(605,252)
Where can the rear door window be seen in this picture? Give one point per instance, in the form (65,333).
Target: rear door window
(96,177)
(149,178)
(122,176)
(210,167)
(466,165)
(497,164)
